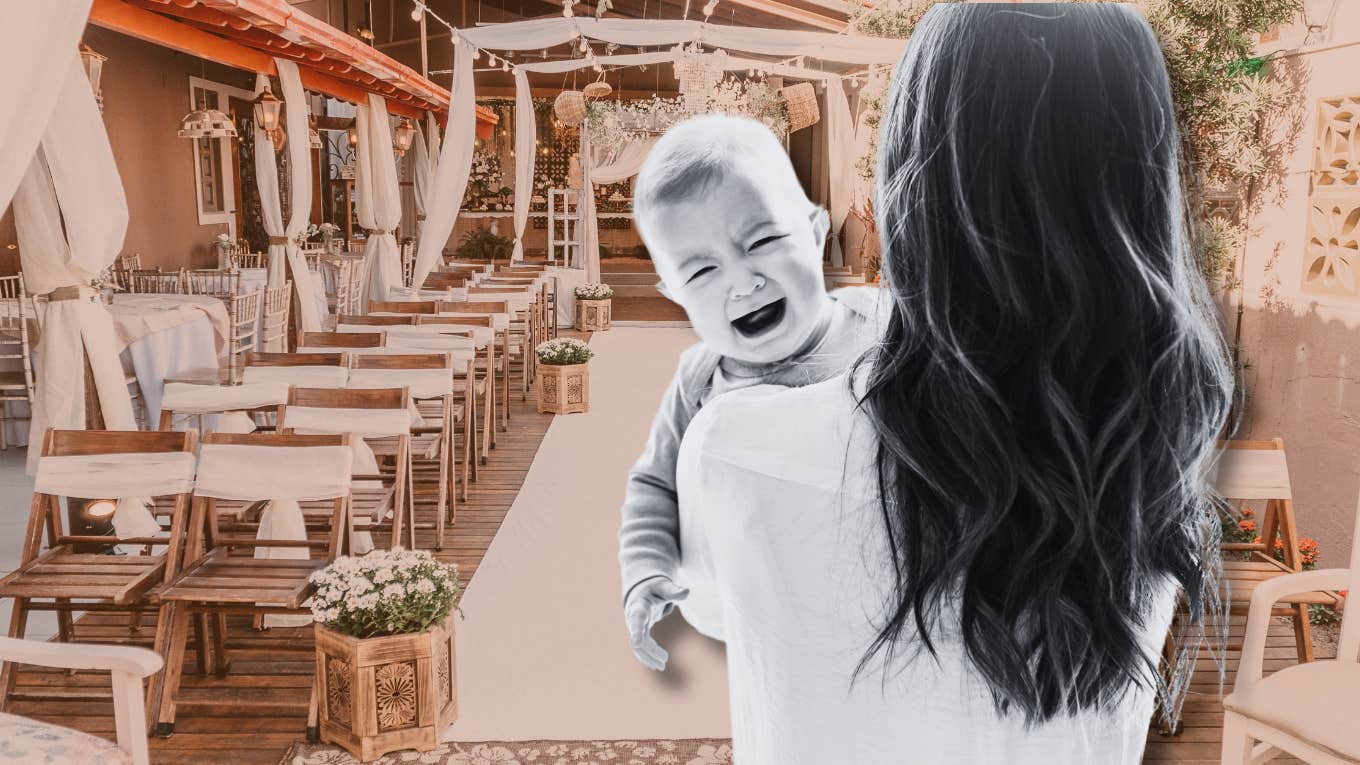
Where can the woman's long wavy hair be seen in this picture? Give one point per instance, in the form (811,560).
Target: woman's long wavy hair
(1052,381)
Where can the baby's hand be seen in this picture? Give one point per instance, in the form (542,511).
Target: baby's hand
(647,603)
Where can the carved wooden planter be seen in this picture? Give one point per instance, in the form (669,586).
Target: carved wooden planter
(592,315)
(564,388)
(378,695)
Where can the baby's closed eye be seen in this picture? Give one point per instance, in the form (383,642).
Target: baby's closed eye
(700,272)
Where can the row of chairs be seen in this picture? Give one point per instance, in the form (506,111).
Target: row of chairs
(201,565)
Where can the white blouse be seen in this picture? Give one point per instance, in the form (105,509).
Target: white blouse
(782,547)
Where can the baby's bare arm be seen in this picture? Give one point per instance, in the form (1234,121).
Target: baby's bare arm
(649,538)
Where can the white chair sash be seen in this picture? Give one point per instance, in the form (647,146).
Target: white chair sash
(422,383)
(303,376)
(115,476)
(250,472)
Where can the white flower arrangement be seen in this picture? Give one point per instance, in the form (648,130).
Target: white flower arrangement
(393,592)
(616,123)
(594,291)
(563,351)
(223,239)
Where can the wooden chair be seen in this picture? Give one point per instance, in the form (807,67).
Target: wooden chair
(483,373)
(192,401)
(216,282)
(1306,710)
(442,412)
(497,365)
(374,494)
(356,288)
(408,262)
(277,302)
(243,314)
(220,576)
(131,262)
(313,370)
(371,320)
(444,281)
(401,307)
(127,665)
(15,384)
(1257,472)
(351,342)
(157,282)
(73,574)
(340,272)
(520,337)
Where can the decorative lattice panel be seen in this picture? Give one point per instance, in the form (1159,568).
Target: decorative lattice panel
(1331,253)
(1336,155)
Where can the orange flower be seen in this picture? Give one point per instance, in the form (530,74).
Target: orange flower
(1246,525)
(1247,512)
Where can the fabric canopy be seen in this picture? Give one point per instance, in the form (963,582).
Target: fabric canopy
(603,164)
(378,197)
(536,34)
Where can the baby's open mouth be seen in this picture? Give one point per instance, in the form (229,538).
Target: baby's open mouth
(760,320)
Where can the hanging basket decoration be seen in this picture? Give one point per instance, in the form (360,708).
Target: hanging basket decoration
(598,90)
(801,102)
(570,107)
(699,74)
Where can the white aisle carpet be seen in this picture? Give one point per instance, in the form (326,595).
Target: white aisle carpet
(542,652)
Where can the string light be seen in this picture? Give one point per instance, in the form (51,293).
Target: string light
(710,8)
(585,45)
(418,12)
(567,12)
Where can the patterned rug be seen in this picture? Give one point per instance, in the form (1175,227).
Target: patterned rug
(691,751)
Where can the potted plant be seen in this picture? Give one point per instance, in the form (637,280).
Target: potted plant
(385,651)
(593,303)
(484,244)
(564,377)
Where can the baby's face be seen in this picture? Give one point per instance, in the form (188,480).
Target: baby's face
(745,263)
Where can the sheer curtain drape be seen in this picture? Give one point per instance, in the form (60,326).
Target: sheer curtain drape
(379,197)
(604,164)
(526,141)
(452,168)
(71,215)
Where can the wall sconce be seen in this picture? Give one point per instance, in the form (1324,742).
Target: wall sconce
(353,137)
(406,132)
(93,61)
(268,115)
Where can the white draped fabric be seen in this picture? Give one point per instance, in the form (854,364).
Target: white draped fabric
(378,197)
(453,168)
(310,304)
(604,164)
(526,146)
(421,176)
(840,144)
(71,217)
(35,42)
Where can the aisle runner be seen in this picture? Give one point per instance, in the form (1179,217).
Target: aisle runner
(542,652)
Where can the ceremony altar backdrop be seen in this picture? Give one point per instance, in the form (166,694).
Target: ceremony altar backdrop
(612,164)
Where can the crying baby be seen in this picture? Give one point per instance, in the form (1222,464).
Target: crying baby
(737,243)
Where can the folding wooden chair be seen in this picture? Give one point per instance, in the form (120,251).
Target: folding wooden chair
(243,313)
(312,370)
(350,342)
(382,418)
(430,380)
(220,576)
(494,314)
(97,472)
(401,307)
(519,337)
(483,372)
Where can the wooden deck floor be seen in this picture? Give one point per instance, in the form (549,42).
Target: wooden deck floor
(255,713)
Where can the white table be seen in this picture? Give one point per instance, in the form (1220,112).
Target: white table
(161,336)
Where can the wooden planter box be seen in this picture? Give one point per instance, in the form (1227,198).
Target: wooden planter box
(592,315)
(564,388)
(378,695)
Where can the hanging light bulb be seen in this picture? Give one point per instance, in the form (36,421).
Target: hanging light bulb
(750,73)
(505,65)
(597,67)
(710,8)
(418,12)
(544,56)
(585,45)
(566,9)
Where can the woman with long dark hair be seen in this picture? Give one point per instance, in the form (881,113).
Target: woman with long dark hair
(969,548)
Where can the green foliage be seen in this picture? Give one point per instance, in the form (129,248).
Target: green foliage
(1221,91)
(481,244)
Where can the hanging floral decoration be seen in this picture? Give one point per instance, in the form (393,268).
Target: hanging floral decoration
(615,123)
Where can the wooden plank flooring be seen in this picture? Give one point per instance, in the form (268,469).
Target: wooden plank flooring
(259,709)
